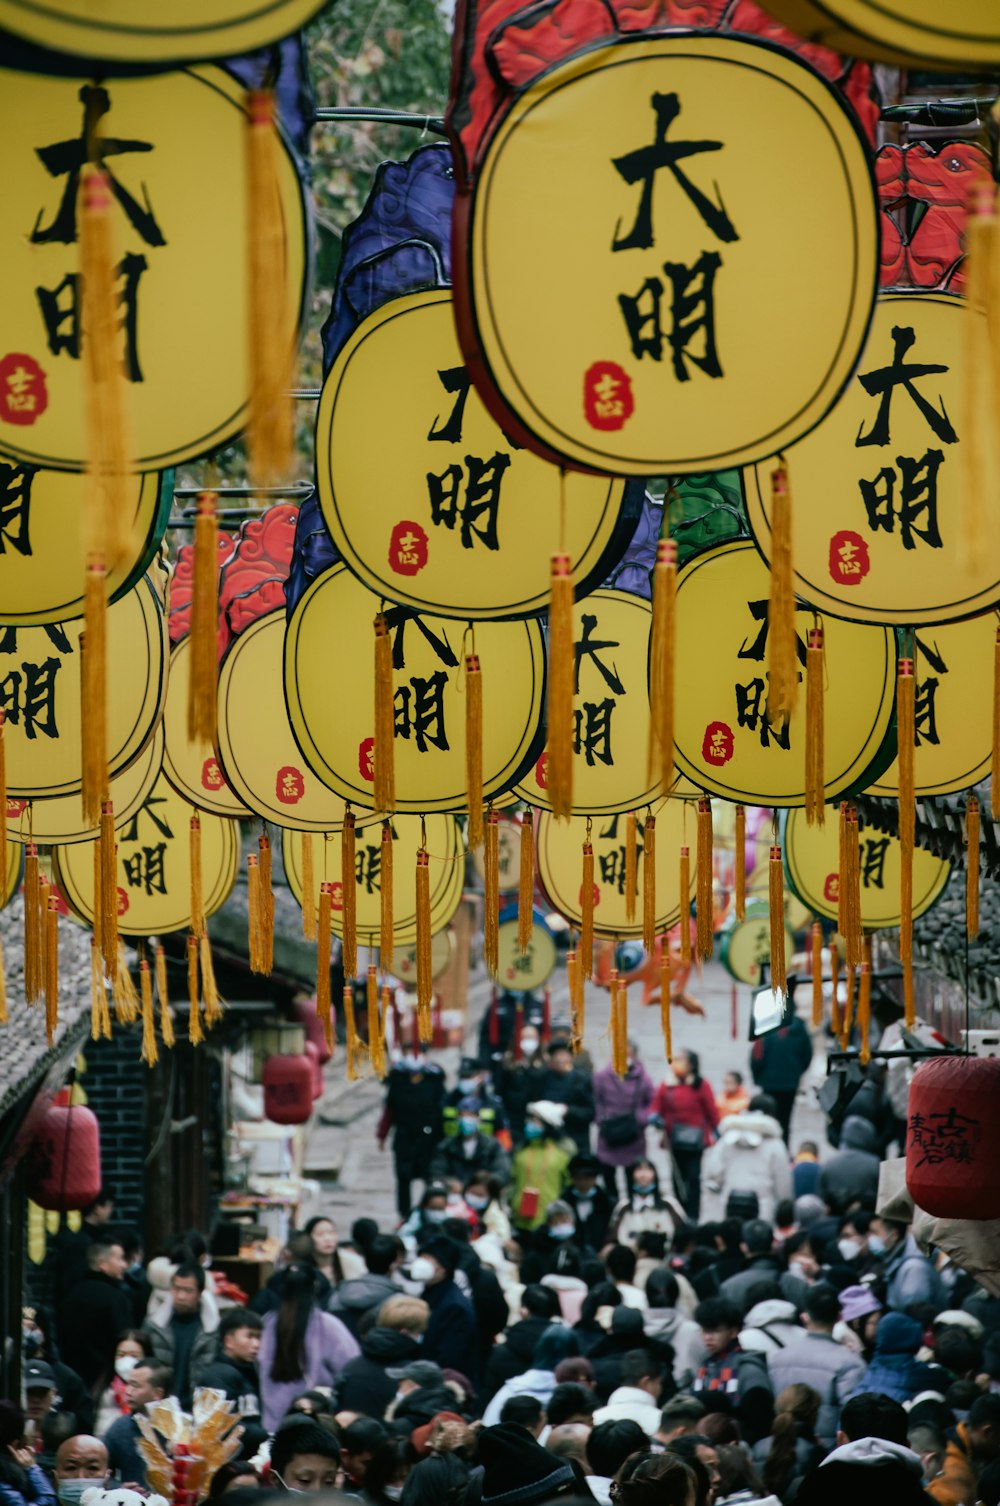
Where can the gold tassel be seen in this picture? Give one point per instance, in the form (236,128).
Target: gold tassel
(776,906)
(586,947)
(685,893)
(387,938)
(195,1033)
(98,998)
(817,973)
(995,766)
(619,1025)
(815,731)
(848,1016)
(203,670)
(324,1003)
(308,888)
(148,1052)
(526,885)
(842,874)
(51,970)
(271,337)
(703,880)
(662,660)
(209,987)
(349,895)
(254,940)
(782,659)
(3,783)
(123,991)
(572,973)
(33,980)
(665,991)
(491,895)
(853,938)
(474,749)
(740,876)
(972,868)
(631,866)
(978,364)
(109,889)
(104,382)
(649,886)
(94,692)
(351,1034)
(835,985)
(425,981)
(385,720)
(561,673)
(197,896)
(906,734)
(865,1003)
(3,990)
(98,849)
(166,1018)
(376,1029)
(266,905)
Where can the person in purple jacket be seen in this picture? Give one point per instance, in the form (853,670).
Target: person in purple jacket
(621,1108)
(301,1346)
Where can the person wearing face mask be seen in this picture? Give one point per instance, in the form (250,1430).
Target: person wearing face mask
(387,1472)
(518,1079)
(646,1209)
(81,1463)
(414,1101)
(37,1345)
(858,1248)
(540,1167)
(452,1337)
(468,1150)
(427,1218)
(552,1248)
(588,1201)
(910,1279)
(473,1082)
(482,1198)
(131,1347)
(621,1107)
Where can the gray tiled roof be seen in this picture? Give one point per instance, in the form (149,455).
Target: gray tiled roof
(24,1053)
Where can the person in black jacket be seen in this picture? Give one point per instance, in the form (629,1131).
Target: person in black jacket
(564,1082)
(414,1100)
(367,1384)
(539,1309)
(588,1197)
(452,1339)
(488,1301)
(96,1311)
(777,1062)
(234,1370)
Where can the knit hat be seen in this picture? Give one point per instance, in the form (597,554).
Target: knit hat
(550,1114)
(808,1208)
(442,1249)
(516,1469)
(858,1302)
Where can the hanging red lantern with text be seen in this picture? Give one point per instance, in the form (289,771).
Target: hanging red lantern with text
(953,1137)
(288,1089)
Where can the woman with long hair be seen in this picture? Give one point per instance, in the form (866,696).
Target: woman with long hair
(792,1449)
(132,1345)
(337,1265)
(687,1110)
(646,1209)
(22,1483)
(301,1345)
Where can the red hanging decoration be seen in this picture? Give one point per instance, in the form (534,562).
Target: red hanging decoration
(288,1089)
(953,1137)
(64,1161)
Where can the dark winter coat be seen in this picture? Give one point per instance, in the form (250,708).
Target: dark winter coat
(780,1057)
(514,1355)
(417,1408)
(239,1379)
(96,1311)
(414,1100)
(592,1214)
(759,1268)
(451,1340)
(450,1161)
(894,1369)
(576,1090)
(737,1383)
(364,1385)
(851,1173)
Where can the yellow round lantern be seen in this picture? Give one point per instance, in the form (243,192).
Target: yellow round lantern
(404,958)
(812,859)
(58,821)
(193,769)
(910,33)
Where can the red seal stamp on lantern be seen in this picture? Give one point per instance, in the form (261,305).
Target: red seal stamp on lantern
(407,549)
(717,745)
(608,402)
(23,393)
(849,558)
(289,785)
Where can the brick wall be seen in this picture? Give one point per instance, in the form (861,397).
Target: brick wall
(116,1087)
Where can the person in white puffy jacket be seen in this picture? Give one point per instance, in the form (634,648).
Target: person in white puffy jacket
(749,1156)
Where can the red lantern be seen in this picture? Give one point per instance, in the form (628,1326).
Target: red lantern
(288,1089)
(305,1014)
(953,1137)
(64,1162)
(312,1051)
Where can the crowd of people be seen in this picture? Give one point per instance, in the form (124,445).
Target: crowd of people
(548,1318)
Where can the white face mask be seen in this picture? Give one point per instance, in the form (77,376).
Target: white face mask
(529,1045)
(876,1246)
(392,1492)
(477,1204)
(124,1365)
(422,1269)
(435,1215)
(562,1231)
(849,1248)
